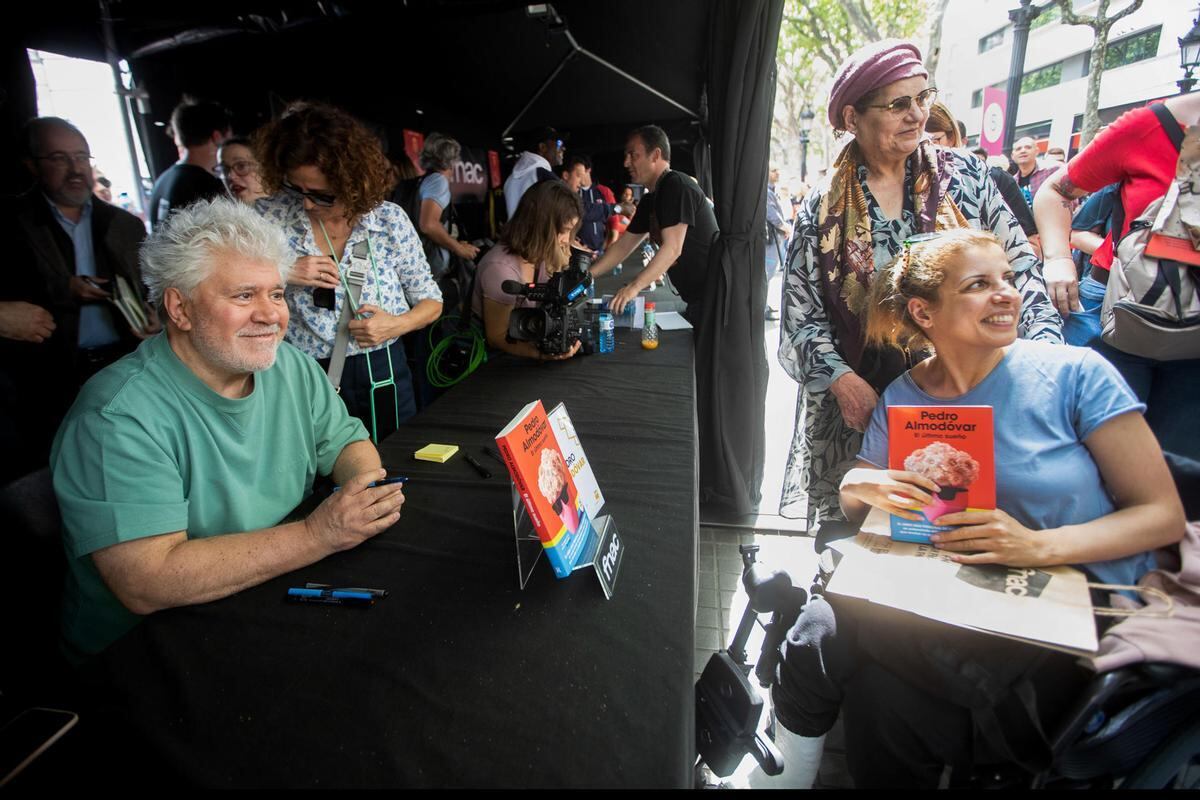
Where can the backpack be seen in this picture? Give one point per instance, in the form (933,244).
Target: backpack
(1152,304)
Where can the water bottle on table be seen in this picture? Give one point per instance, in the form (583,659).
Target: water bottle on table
(607,328)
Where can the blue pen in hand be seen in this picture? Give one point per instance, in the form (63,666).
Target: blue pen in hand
(383,482)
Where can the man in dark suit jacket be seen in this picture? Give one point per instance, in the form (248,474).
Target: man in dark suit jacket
(57,324)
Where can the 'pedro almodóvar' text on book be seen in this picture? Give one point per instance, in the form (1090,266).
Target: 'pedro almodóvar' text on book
(953,446)
(543,478)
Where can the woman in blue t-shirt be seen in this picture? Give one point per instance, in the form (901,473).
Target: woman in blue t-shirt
(1080,480)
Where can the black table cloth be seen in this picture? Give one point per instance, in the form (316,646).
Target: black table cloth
(458,678)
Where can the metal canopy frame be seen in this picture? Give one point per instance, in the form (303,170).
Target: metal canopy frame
(579,50)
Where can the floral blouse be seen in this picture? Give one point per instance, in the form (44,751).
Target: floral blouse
(808,347)
(404,277)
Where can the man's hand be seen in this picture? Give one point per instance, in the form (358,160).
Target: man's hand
(1062,284)
(993,537)
(25,322)
(377,328)
(153,326)
(466,250)
(354,514)
(86,289)
(317,271)
(856,399)
(626,295)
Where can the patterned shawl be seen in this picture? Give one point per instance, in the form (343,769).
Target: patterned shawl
(845,249)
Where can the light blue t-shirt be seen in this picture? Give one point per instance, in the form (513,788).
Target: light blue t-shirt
(1046,399)
(435,187)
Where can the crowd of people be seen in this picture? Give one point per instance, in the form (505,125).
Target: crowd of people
(269,304)
(285,268)
(918,274)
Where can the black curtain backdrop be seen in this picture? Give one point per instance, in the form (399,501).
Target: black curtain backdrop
(731,367)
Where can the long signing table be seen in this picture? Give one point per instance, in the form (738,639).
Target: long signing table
(458,678)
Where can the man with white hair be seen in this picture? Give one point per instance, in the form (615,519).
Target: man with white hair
(176,464)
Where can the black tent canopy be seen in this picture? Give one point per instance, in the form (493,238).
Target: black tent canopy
(470,68)
(464,66)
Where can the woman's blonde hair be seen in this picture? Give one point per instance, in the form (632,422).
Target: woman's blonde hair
(918,271)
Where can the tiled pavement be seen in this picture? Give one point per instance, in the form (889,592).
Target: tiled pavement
(722,601)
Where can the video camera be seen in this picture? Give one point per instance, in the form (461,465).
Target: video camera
(561,319)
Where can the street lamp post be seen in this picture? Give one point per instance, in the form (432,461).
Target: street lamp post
(806,118)
(1189,57)
(1021,17)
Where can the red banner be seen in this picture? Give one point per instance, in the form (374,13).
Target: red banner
(494,168)
(991,135)
(413,142)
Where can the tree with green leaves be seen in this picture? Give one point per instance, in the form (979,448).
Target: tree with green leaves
(1100,23)
(815,38)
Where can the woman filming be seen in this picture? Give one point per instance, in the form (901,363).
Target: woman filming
(535,244)
(329,179)
(1080,480)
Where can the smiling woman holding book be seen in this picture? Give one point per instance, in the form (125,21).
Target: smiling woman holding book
(1079,480)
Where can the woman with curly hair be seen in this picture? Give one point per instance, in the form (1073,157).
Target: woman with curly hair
(328,177)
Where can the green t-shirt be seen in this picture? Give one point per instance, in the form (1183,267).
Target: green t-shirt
(149,449)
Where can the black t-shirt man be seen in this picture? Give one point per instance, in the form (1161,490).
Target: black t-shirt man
(179,186)
(677,198)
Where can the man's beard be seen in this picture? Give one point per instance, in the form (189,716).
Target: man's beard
(222,353)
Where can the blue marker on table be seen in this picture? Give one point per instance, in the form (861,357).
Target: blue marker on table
(330,596)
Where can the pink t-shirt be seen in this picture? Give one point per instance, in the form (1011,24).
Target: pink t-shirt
(495,268)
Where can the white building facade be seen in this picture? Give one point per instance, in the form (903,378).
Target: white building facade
(976,50)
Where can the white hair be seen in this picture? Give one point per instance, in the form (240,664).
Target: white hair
(180,253)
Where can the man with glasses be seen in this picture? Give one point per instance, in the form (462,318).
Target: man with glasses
(57,324)
(199,129)
(538,163)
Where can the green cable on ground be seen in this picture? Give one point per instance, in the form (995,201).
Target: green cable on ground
(477,354)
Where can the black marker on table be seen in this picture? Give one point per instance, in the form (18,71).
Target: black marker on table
(483,473)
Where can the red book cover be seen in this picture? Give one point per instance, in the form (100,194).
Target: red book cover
(953,446)
(543,479)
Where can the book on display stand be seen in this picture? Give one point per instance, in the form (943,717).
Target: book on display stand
(556,500)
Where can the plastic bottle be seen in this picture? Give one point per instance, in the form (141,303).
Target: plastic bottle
(607,332)
(617,269)
(650,329)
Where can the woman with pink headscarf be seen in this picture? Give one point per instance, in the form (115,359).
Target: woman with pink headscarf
(888,184)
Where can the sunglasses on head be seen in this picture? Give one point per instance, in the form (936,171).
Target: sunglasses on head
(317,198)
(901,105)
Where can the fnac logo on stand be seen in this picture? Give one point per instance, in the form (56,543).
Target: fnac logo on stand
(1014,581)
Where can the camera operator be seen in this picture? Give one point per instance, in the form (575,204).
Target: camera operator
(535,245)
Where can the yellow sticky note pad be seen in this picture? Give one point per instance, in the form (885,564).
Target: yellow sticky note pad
(436,452)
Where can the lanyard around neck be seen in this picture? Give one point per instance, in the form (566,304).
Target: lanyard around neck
(342,274)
